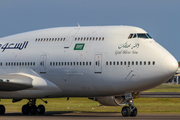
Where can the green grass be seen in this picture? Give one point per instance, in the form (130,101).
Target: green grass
(144,105)
(165,88)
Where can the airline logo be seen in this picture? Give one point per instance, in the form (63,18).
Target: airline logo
(79,46)
(128,48)
(18,46)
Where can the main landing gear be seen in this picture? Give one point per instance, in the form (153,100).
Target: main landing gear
(130,110)
(31,108)
(2,109)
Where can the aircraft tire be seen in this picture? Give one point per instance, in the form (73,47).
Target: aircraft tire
(25,110)
(125,111)
(33,110)
(2,109)
(41,109)
(133,113)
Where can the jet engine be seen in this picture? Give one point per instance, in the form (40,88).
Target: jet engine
(111,100)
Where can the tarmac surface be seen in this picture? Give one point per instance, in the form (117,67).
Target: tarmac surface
(160,95)
(87,116)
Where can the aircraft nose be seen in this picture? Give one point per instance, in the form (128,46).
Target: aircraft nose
(169,65)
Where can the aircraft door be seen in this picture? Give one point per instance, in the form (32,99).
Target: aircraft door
(70,38)
(42,64)
(98,63)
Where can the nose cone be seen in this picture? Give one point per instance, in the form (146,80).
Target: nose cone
(169,65)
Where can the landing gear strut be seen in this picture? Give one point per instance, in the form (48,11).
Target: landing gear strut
(31,108)
(130,110)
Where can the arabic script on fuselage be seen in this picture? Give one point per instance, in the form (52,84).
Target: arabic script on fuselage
(127,48)
(19,46)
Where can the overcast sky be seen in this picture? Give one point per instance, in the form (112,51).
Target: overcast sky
(160,18)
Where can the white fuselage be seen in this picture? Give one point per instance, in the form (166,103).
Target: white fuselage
(83,62)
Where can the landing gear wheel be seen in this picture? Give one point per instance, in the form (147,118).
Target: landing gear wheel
(33,109)
(125,111)
(133,113)
(41,109)
(25,109)
(2,109)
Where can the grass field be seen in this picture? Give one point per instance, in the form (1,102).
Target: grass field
(144,105)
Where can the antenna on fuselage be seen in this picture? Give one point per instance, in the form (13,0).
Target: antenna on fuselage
(78,25)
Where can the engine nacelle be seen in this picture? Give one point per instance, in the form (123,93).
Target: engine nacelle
(112,100)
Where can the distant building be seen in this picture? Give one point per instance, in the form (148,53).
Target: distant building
(176,78)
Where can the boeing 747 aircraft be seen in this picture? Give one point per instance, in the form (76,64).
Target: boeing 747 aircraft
(110,64)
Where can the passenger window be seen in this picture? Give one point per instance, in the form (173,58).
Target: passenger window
(124,63)
(140,63)
(68,63)
(149,63)
(89,63)
(106,63)
(56,63)
(86,63)
(110,63)
(114,63)
(136,62)
(128,63)
(153,62)
(121,63)
(77,63)
(74,63)
(62,63)
(132,63)
(144,62)
(22,64)
(117,63)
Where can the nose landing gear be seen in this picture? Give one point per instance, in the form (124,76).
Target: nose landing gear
(130,110)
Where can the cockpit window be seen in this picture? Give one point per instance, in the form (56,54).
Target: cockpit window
(134,36)
(149,36)
(140,35)
(130,36)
